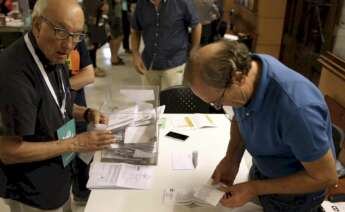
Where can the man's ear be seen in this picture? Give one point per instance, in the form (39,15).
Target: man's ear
(36,25)
(237,77)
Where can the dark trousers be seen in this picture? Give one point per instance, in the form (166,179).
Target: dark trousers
(310,202)
(126,29)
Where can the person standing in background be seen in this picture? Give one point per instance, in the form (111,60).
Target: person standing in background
(164,27)
(97,32)
(81,74)
(126,13)
(115,20)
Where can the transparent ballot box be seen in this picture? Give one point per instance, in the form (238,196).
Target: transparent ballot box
(133,116)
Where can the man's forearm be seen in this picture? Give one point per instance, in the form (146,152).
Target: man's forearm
(236,148)
(294,184)
(196,36)
(14,150)
(85,77)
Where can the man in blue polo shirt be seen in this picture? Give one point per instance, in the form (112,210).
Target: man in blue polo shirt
(282,120)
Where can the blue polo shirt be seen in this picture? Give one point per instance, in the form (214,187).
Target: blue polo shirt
(286,122)
(165,31)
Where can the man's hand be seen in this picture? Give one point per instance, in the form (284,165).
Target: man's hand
(225,172)
(138,63)
(237,195)
(97,117)
(92,141)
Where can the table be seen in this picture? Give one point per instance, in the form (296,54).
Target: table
(211,144)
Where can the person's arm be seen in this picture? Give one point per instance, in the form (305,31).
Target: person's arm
(227,169)
(137,60)
(14,150)
(196,36)
(85,77)
(318,175)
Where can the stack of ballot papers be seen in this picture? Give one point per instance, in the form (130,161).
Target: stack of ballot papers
(203,196)
(136,133)
(120,175)
(193,121)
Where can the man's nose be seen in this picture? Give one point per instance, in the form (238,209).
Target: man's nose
(68,43)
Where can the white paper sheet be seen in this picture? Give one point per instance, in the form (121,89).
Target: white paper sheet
(209,194)
(182,161)
(194,121)
(138,95)
(140,134)
(119,175)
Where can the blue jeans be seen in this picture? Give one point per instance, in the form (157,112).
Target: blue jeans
(310,202)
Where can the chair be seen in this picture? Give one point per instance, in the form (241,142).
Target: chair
(180,99)
(338,138)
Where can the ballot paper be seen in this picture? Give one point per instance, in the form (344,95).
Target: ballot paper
(140,134)
(203,196)
(184,160)
(120,175)
(138,95)
(194,121)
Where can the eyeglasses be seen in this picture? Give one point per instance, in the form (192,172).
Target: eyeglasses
(62,34)
(218,103)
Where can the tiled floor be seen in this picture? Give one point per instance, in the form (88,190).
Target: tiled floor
(96,93)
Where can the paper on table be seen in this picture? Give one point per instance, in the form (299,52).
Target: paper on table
(138,95)
(184,160)
(193,121)
(119,175)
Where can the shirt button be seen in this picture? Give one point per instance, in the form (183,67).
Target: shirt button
(157,34)
(247,114)
(157,24)
(155,44)
(158,14)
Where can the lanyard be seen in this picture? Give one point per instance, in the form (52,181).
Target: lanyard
(46,79)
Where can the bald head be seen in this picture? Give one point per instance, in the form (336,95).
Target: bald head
(51,6)
(51,18)
(214,64)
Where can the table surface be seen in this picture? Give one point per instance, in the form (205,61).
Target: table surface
(211,144)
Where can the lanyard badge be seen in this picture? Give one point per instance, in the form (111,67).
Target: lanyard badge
(39,64)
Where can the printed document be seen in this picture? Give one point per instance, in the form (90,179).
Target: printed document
(120,175)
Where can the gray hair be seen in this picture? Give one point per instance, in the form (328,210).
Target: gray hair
(218,69)
(39,8)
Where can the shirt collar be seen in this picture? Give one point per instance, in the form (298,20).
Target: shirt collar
(259,95)
(44,60)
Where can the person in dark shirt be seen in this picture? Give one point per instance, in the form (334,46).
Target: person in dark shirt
(164,27)
(3,8)
(281,119)
(38,141)
(81,74)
